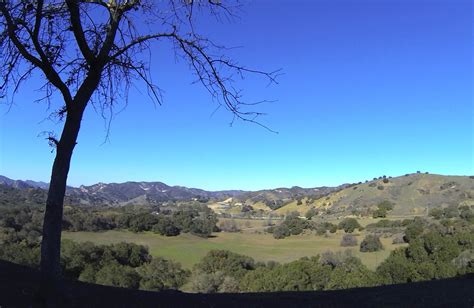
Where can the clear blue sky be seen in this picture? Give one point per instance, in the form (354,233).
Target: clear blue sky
(369,88)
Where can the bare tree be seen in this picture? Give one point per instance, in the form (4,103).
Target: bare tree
(90,52)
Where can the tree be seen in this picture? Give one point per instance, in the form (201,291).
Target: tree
(87,52)
(229,263)
(114,274)
(311,213)
(371,243)
(351,274)
(349,225)
(413,230)
(161,274)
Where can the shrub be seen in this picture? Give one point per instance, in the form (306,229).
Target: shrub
(311,213)
(412,231)
(371,243)
(351,274)
(349,225)
(117,275)
(348,240)
(380,187)
(379,213)
(229,263)
(386,205)
(281,231)
(161,274)
(436,213)
(165,226)
(385,180)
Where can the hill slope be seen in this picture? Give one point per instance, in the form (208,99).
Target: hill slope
(412,194)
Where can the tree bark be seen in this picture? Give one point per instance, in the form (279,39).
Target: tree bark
(50,245)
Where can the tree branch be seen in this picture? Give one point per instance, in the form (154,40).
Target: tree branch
(78,31)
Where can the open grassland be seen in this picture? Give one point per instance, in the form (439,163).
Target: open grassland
(189,249)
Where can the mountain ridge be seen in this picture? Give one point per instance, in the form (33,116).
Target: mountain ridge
(411,194)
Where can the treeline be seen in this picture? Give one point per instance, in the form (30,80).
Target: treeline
(195,219)
(293,224)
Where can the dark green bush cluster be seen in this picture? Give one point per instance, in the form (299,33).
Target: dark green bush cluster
(382,209)
(385,223)
(465,212)
(430,256)
(311,213)
(26,222)
(371,243)
(292,225)
(349,225)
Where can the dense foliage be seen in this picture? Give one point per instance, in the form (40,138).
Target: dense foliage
(349,225)
(371,243)
(26,222)
(436,249)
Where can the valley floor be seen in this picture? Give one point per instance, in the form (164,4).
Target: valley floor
(189,249)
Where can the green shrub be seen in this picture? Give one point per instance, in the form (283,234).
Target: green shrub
(371,243)
(349,225)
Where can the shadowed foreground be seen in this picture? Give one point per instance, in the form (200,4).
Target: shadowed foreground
(18,285)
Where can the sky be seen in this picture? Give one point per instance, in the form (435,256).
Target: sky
(369,88)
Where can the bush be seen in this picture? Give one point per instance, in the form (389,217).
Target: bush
(412,231)
(436,213)
(229,263)
(311,213)
(165,226)
(386,205)
(114,274)
(281,231)
(349,225)
(371,243)
(379,213)
(348,240)
(161,274)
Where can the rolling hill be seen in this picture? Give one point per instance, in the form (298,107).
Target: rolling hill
(411,194)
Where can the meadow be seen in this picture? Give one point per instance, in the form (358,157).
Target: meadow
(189,249)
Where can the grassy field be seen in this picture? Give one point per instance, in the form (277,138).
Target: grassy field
(189,249)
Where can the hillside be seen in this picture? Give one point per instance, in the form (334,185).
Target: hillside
(411,194)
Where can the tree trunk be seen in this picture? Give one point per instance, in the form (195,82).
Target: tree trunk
(50,245)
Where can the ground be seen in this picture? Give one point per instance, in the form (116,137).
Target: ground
(260,246)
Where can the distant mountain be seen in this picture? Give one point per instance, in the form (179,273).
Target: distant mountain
(118,194)
(412,194)
(22,184)
(113,194)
